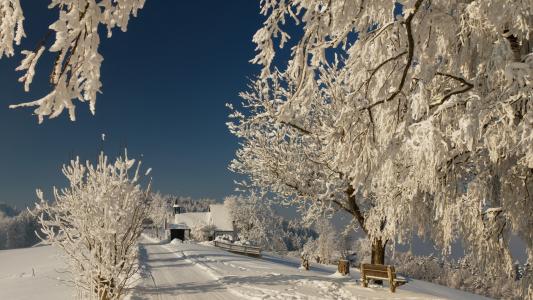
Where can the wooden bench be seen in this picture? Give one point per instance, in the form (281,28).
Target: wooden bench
(380,272)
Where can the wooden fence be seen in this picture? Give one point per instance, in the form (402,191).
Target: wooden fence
(242,249)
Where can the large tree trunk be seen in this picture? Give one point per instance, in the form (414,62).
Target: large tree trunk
(378,252)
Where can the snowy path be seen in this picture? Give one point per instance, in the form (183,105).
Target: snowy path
(169,276)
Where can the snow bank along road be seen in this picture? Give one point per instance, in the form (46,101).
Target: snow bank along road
(197,271)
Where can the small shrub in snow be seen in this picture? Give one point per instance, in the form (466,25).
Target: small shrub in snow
(256,221)
(159,214)
(464,275)
(324,248)
(201,231)
(96,221)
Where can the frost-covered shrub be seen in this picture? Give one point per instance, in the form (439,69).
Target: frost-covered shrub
(324,249)
(363,251)
(202,232)
(256,221)
(462,274)
(159,214)
(96,221)
(327,242)
(309,251)
(224,238)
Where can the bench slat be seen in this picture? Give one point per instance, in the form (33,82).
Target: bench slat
(374,273)
(375,267)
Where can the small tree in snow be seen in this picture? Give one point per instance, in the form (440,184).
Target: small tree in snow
(202,231)
(159,212)
(256,221)
(327,244)
(324,248)
(96,221)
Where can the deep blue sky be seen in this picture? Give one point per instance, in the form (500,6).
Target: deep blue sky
(165,83)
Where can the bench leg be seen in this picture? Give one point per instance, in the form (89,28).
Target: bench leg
(392,285)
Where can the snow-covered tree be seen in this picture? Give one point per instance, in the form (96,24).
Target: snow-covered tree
(160,212)
(202,231)
(255,221)
(425,107)
(325,248)
(96,221)
(327,244)
(76,69)
(293,162)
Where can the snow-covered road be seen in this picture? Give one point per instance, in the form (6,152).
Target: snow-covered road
(167,275)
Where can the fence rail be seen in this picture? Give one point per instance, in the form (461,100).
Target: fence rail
(243,249)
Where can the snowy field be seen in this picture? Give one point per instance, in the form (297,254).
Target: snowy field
(33,273)
(201,271)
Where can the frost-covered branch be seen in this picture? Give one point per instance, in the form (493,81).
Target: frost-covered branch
(11,26)
(76,69)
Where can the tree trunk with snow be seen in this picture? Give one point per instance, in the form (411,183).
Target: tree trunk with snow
(378,252)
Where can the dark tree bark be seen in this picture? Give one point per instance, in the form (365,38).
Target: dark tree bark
(378,252)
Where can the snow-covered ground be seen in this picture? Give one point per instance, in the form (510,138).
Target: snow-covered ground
(201,271)
(34,273)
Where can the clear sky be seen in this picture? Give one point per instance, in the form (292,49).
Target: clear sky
(165,85)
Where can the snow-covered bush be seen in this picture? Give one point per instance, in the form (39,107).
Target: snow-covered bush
(159,213)
(327,242)
(96,221)
(309,250)
(462,274)
(363,251)
(255,221)
(324,249)
(202,232)
(226,238)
